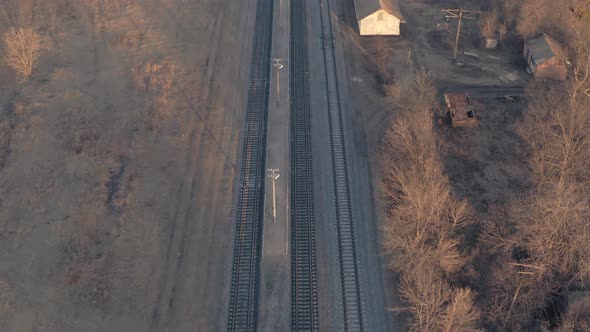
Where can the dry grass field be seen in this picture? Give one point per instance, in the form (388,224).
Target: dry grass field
(123,138)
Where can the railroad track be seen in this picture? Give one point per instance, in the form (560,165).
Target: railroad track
(247,244)
(304,300)
(351,295)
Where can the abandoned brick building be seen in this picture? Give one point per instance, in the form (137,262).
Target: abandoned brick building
(460,110)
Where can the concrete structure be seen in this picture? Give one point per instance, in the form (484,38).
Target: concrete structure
(378,17)
(460,110)
(491,42)
(542,55)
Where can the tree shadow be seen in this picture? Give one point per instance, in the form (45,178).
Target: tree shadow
(486,164)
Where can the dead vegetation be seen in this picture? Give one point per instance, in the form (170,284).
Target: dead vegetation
(130,39)
(159,80)
(426,222)
(5,137)
(109,9)
(537,240)
(489,24)
(69,153)
(523,250)
(92,159)
(556,130)
(380,53)
(436,306)
(22,49)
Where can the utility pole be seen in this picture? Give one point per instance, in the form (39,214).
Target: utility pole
(460,14)
(274,174)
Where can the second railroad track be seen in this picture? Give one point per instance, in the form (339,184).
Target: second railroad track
(304,299)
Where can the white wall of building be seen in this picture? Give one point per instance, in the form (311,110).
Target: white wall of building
(379,23)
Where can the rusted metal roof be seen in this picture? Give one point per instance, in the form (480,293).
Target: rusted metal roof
(543,48)
(365,8)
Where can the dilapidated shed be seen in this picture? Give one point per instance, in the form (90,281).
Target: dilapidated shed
(543,58)
(378,17)
(460,110)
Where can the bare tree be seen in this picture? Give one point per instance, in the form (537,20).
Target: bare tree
(531,18)
(540,250)
(543,16)
(23,46)
(425,295)
(579,72)
(460,314)
(538,240)
(556,130)
(423,90)
(422,234)
(576,319)
(503,31)
(436,306)
(550,230)
(488,23)
(515,292)
(382,59)
(510,10)
(425,218)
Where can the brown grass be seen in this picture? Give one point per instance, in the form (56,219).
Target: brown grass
(5,138)
(159,80)
(488,23)
(109,9)
(130,39)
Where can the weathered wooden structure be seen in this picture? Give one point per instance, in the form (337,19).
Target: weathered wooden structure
(543,58)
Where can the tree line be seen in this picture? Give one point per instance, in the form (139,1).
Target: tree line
(536,246)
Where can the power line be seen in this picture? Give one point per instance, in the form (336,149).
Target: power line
(460,14)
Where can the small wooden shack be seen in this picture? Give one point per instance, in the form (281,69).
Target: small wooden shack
(460,110)
(542,55)
(378,17)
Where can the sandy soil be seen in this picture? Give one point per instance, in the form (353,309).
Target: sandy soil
(116,190)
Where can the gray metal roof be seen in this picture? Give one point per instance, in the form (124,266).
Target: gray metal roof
(542,47)
(365,8)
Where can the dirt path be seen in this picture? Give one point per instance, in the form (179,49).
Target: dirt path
(194,271)
(186,195)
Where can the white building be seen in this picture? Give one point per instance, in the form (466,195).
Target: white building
(378,17)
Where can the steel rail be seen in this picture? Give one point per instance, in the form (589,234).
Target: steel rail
(243,301)
(349,274)
(304,299)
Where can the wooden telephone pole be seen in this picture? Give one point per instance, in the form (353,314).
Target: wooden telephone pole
(460,14)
